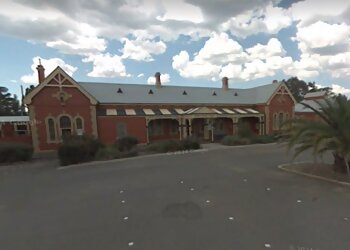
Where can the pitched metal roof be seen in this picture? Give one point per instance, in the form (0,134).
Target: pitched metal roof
(315,94)
(302,109)
(140,93)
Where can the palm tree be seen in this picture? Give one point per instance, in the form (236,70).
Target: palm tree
(330,134)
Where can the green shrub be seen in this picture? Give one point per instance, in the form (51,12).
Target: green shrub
(108,153)
(15,152)
(244,130)
(164,146)
(131,153)
(174,145)
(264,139)
(126,143)
(76,149)
(232,140)
(190,143)
(112,152)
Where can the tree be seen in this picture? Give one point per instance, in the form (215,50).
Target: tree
(332,134)
(299,88)
(8,105)
(29,89)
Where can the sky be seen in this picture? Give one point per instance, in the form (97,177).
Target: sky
(190,42)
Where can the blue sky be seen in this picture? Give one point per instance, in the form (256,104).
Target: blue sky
(192,42)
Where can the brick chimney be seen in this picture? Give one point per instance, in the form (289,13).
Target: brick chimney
(158,82)
(41,72)
(225,83)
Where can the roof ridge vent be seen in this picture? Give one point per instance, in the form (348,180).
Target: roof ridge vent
(184,93)
(120,91)
(150,92)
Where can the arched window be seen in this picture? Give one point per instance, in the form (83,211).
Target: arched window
(79,126)
(65,126)
(51,129)
(280,120)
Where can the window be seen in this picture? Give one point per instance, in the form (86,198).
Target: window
(121,130)
(280,120)
(65,126)
(51,129)
(174,127)
(21,129)
(156,127)
(79,126)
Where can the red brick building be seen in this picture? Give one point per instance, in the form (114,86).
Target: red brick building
(60,105)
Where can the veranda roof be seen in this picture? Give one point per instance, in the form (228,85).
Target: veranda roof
(178,111)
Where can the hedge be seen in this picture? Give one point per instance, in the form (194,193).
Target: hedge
(75,149)
(15,152)
(174,145)
(126,143)
(233,140)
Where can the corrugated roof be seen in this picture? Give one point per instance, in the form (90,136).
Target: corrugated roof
(302,109)
(139,93)
(315,94)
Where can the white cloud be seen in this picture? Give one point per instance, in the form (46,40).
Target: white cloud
(194,69)
(219,49)
(164,78)
(272,48)
(142,47)
(106,65)
(222,56)
(310,11)
(340,90)
(270,19)
(232,71)
(140,75)
(49,65)
(181,11)
(322,35)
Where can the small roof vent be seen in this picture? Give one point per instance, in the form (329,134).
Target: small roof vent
(184,93)
(120,91)
(236,94)
(150,92)
(214,93)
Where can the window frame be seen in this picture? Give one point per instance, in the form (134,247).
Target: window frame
(16,130)
(60,129)
(48,133)
(82,129)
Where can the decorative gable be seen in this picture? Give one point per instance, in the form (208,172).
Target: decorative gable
(282,93)
(59,79)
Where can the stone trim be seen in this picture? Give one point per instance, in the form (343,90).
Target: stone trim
(93,121)
(34,128)
(48,140)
